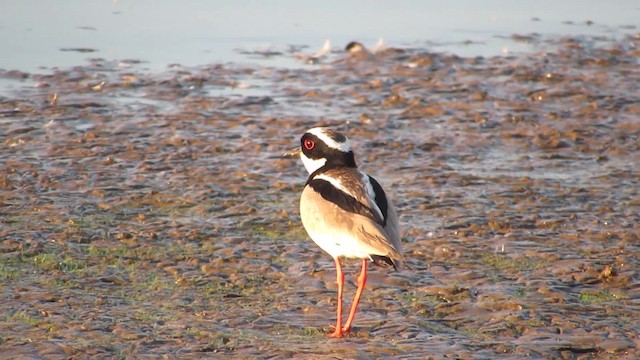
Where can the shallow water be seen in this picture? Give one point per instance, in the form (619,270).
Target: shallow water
(148,213)
(36,35)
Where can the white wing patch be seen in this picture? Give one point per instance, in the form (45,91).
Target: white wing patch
(371,195)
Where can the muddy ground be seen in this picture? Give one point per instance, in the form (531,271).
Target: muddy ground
(149,215)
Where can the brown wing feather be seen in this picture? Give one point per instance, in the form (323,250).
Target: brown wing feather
(328,218)
(353,180)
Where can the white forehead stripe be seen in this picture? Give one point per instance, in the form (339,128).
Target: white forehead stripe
(321,133)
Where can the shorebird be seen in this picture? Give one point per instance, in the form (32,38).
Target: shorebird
(356,46)
(345,212)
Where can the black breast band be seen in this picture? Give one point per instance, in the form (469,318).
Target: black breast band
(344,201)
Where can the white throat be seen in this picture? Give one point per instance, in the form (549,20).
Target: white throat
(310,164)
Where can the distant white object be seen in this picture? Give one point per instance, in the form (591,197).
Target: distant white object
(315,58)
(326,48)
(379,46)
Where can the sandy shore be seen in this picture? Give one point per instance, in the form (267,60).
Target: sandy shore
(148,214)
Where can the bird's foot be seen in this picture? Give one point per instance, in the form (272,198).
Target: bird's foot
(338,332)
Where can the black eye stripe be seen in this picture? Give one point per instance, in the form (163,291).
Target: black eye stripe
(312,146)
(320,150)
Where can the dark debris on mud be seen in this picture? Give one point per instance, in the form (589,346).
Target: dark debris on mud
(149,214)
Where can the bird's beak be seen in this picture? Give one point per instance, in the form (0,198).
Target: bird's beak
(293,153)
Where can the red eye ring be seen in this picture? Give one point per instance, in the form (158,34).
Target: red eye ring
(309,144)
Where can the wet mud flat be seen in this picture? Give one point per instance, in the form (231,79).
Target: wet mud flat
(148,214)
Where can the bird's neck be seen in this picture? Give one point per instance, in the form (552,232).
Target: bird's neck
(328,167)
(345,159)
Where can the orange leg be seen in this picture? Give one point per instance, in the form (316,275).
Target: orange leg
(362,279)
(338,333)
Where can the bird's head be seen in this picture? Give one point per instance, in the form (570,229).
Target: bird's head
(321,147)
